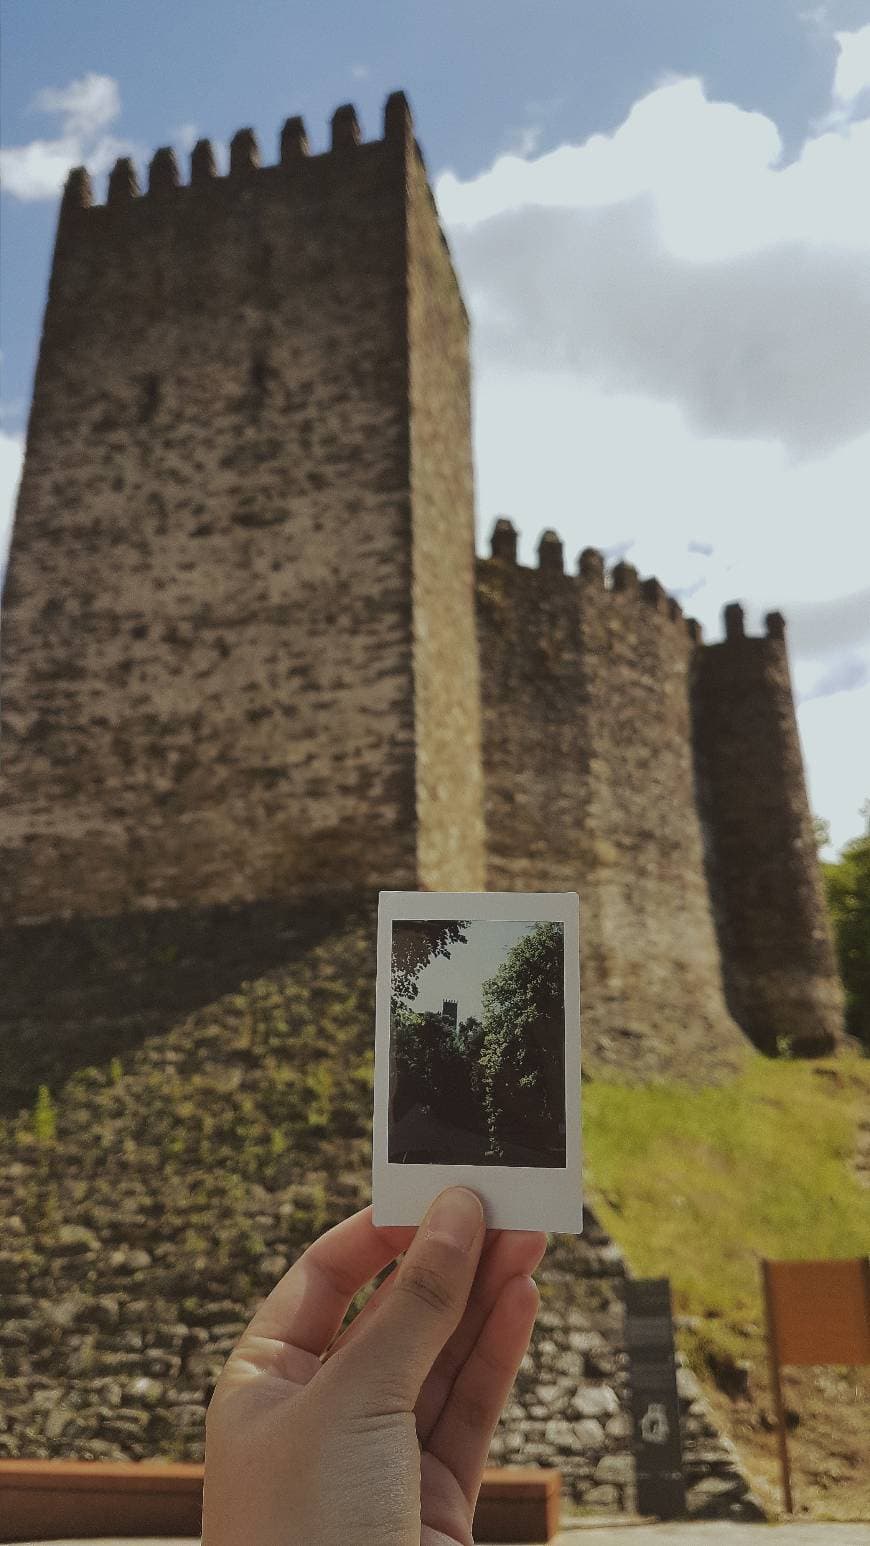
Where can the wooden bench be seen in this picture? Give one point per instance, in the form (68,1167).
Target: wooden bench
(50,1499)
(518,1503)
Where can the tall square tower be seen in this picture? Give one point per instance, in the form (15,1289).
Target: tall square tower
(238,656)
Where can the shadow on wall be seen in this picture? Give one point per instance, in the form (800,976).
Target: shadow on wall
(80,992)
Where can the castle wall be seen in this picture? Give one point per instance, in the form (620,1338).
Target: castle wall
(240,629)
(590,787)
(446,676)
(780,970)
(207,656)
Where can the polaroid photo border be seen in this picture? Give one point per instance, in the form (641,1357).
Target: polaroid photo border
(514,1197)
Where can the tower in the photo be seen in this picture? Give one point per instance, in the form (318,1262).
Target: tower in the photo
(238,640)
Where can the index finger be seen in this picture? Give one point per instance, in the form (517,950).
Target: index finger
(306,1308)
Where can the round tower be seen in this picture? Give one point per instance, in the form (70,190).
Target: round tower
(777,951)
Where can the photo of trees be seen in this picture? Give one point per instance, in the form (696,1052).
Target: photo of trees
(477,1043)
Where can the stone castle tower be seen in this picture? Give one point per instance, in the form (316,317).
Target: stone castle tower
(248,654)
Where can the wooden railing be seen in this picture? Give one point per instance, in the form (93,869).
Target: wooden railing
(43,1500)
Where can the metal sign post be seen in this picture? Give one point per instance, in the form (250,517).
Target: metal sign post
(658,1452)
(818,1312)
(776,1386)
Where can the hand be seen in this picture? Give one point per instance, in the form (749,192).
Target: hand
(379,1437)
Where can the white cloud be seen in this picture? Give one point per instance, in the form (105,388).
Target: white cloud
(607,468)
(843,676)
(820,627)
(86,106)
(37,170)
(852,73)
(834,735)
(851,83)
(773,344)
(672,359)
(13,410)
(524,142)
(184,136)
(711,169)
(677,259)
(360,72)
(11,460)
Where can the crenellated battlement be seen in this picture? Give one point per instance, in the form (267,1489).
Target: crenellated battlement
(734,626)
(624,580)
(163,175)
(591,573)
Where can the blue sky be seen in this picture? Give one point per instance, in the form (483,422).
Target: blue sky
(478,73)
(658,211)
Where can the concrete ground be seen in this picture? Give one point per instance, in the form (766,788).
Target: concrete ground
(580,1533)
(715,1534)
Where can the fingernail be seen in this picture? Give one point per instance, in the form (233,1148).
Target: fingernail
(455,1217)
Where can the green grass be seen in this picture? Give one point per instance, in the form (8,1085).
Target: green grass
(699,1185)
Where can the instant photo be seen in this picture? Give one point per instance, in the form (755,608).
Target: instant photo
(477,1068)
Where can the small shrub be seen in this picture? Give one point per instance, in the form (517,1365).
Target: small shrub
(319,1089)
(44,1116)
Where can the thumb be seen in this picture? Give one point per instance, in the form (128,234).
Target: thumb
(391,1358)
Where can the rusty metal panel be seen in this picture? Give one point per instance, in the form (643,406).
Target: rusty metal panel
(820,1311)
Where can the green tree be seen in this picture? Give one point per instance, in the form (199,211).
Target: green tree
(821,832)
(522,1055)
(416,942)
(436,1068)
(466,1078)
(468,1039)
(427,1065)
(847,883)
(414,1058)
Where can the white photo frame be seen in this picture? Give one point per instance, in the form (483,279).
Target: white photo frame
(515,1196)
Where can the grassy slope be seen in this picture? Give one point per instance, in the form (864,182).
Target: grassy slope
(698,1186)
(260,1097)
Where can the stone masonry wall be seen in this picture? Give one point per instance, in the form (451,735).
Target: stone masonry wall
(590,787)
(100,1358)
(211,1076)
(780,968)
(79,992)
(446,678)
(207,657)
(570,1406)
